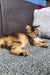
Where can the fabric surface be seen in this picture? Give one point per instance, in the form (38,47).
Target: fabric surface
(1,29)
(36,63)
(42,18)
(40,6)
(16,14)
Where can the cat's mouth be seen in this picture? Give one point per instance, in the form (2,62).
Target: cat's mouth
(31,36)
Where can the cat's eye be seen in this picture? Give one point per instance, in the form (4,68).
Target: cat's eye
(30,32)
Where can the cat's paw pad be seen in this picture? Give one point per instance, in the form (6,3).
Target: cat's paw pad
(25,53)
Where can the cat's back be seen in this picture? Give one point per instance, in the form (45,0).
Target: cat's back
(22,37)
(17,36)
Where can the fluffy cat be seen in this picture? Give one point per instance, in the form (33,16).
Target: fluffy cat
(32,32)
(16,41)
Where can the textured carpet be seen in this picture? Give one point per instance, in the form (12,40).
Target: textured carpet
(36,63)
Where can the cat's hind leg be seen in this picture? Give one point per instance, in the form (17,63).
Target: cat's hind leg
(19,52)
(2,42)
(17,49)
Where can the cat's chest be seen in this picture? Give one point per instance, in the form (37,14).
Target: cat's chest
(37,39)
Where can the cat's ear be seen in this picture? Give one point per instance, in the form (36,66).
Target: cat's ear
(37,26)
(28,26)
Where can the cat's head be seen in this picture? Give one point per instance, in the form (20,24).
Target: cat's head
(32,31)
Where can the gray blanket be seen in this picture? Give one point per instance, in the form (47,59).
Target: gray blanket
(36,63)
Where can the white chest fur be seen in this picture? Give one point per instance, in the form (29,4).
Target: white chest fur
(37,39)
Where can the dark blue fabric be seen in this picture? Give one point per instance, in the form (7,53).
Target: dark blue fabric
(39,2)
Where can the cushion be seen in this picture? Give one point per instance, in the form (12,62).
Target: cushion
(42,18)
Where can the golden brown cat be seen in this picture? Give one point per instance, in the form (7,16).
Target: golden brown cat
(32,32)
(16,41)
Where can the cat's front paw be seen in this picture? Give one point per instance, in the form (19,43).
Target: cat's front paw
(42,41)
(45,45)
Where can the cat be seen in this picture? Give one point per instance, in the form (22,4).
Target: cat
(35,39)
(16,41)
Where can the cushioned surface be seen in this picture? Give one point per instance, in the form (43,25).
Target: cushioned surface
(16,14)
(42,18)
(36,63)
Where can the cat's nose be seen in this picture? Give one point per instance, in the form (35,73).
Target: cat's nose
(32,34)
